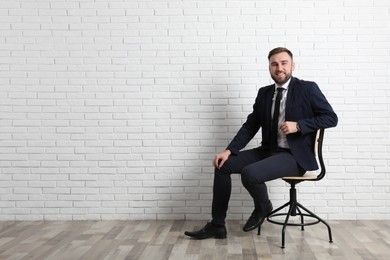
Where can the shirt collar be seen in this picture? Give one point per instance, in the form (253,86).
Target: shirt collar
(285,85)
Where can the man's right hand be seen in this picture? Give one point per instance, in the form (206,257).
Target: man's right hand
(220,159)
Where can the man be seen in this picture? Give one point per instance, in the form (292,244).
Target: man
(286,148)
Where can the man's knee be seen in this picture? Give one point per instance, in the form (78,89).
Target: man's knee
(226,168)
(247,178)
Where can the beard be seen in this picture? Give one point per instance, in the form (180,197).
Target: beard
(280,81)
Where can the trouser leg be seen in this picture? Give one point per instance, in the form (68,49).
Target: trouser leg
(254,175)
(223,185)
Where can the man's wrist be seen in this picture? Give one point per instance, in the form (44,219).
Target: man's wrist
(298,127)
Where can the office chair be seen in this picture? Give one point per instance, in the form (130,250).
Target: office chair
(294,207)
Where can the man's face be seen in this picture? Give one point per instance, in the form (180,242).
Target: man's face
(281,67)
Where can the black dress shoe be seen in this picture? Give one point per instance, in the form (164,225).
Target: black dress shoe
(257,217)
(208,231)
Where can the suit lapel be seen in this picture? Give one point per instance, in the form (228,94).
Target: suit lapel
(268,106)
(290,95)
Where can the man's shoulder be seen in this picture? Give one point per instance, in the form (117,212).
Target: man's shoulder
(301,82)
(267,88)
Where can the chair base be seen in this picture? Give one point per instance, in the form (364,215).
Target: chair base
(294,209)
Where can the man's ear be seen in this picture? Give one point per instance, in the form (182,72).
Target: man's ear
(293,66)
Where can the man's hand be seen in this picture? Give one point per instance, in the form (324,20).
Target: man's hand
(289,127)
(220,159)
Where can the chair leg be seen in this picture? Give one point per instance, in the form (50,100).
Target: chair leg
(295,209)
(320,219)
(302,221)
(290,210)
(270,214)
(261,223)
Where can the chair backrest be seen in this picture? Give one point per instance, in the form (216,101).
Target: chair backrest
(318,152)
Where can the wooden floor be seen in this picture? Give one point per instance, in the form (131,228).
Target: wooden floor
(153,240)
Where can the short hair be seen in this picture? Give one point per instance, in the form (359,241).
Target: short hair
(279,50)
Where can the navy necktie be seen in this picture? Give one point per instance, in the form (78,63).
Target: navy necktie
(275,122)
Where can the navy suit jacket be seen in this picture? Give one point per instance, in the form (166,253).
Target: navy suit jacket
(305,104)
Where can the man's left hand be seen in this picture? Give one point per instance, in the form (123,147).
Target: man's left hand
(289,127)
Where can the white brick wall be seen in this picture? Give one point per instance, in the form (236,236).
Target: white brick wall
(113,109)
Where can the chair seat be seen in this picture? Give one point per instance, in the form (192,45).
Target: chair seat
(306,176)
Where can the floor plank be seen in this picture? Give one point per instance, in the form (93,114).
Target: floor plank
(155,240)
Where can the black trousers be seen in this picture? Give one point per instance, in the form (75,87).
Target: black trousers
(256,167)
